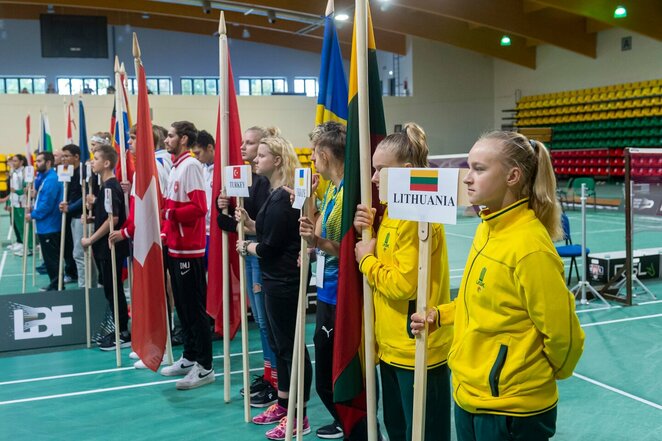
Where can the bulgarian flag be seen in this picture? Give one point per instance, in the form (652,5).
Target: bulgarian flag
(215,264)
(149,322)
(348,384)
(45,142)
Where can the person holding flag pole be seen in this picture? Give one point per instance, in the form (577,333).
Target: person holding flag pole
(29,179)
(396,266)
(355,398)
(85,172)
(64,174)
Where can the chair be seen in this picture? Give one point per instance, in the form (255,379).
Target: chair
(569,250)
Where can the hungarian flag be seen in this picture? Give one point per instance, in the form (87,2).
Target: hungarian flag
(82,142)
(28,149)
(123,111)
(149,323)
(348,382)
(45,141)
(215,264)
(70,124)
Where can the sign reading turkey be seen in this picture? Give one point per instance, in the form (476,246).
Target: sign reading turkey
(237,180)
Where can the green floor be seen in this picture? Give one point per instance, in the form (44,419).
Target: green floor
(78,394)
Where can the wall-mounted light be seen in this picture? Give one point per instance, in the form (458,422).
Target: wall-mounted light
(271,16)
(505,40)
(245,33)
(342,17)
(620,12)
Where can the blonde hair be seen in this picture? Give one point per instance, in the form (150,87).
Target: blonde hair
(409,145)
(279,146)
(264,132)
(538,179)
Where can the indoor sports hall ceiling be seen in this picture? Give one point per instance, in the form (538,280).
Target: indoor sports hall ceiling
(476,25)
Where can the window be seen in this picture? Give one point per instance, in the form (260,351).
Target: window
(306,86)
(17,84)
(155,85)
(199,86)
(87,85)
(262,86)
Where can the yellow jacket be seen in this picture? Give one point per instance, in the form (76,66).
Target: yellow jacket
(516,330)
(393,275)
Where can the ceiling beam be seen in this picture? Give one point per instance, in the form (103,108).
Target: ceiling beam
(644,16)
(387,41)
(179,24)
(509,16)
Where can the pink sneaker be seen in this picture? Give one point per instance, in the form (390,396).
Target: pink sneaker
(278,432)
(273,414)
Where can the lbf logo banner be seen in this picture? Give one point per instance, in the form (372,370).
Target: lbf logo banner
(237,180)
(38,320)
(422,194)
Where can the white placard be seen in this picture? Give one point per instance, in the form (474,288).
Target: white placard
(237,180)
(423,194)
(302,178)
(88,171)
(108,201)
(29,174)
(319,270)
(64,173)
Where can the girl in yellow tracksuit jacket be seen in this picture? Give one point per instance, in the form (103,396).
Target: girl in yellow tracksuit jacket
(390,263)
(515,327)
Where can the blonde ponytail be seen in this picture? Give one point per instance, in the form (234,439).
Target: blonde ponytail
(279,146)
(538,179)
(410,145)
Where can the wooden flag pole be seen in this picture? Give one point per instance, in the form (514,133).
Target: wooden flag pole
(244,321)
(26,232)
(63,229)
(361,24)
(420,367)
(86,257)
(111,222)
(299,348)
(123,153)
(225,155)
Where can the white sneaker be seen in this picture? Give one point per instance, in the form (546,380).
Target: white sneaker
(198,376)
(140,365)
(180,367)
(134,356)
(17,248)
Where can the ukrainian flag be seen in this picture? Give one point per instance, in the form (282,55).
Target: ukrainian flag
(332,97)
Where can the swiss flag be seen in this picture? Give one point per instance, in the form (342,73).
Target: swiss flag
(215,274)
(149,326)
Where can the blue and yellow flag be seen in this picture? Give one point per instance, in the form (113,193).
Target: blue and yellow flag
(332,97)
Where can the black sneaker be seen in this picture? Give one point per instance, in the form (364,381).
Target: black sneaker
(330,431)
(265,398)
(108,343)
(257,385)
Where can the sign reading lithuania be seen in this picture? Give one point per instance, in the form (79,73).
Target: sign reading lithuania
(423,194)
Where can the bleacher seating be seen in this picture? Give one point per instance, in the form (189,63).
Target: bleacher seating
(591,127)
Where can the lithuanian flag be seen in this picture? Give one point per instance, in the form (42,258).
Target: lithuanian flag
(348,383)
(424,180)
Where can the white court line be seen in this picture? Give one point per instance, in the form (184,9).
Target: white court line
(109,389)
(104,371)
(650,302)
(608,322)
(464,236)
(591,310)
(2,263)
(618,391)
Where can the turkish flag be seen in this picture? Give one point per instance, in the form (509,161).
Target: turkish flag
(215,263)
(236,173)
(149,326)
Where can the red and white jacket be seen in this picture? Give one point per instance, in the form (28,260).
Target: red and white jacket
(185,209)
